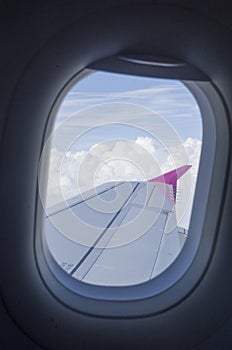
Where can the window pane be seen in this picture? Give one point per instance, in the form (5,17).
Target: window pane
(123,159)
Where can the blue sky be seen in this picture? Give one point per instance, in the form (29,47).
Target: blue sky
(169,99)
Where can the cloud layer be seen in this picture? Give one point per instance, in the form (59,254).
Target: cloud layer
(127,160)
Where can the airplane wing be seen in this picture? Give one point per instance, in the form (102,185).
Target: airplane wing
(120,233)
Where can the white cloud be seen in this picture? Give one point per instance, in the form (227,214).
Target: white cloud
(76,172)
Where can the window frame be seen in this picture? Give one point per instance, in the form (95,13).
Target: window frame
(73,292)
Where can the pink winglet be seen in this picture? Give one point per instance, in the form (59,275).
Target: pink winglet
(171,177)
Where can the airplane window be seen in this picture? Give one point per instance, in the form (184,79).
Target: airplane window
(122,161)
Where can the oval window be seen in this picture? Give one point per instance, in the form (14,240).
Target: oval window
(122,161)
